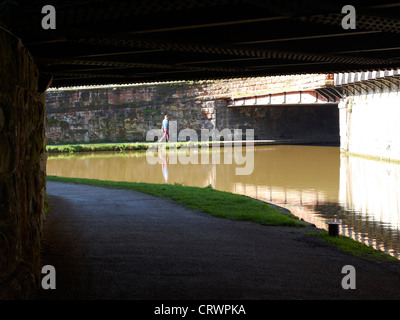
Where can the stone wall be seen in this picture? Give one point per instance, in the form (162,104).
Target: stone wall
(369,124)
(124,113)
(22,170)
(127,113)
(314,123)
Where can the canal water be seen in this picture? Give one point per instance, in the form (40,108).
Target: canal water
(317,184)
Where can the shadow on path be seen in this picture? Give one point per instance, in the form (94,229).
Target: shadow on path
(120,244)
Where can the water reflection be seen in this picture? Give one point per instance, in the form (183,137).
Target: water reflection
(369,191)
(164,165)
(315,183)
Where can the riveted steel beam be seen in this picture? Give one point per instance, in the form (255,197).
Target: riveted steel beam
(394,81)
(235,51)
(382,81)
(368,85)
(324,94)
(337,92)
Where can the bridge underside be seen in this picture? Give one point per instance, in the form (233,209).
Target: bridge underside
(112,42)
(102,41)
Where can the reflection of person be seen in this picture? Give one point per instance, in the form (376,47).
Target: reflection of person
(165,128)
(164,166)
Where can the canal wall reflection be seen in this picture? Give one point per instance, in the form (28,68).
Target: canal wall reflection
(317,184)
(370,202)
(371,188)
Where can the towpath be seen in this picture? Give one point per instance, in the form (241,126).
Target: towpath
(120,244)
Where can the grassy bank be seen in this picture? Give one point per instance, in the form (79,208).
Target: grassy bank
(208,200)
(353,247)
(228,205)
(71,148)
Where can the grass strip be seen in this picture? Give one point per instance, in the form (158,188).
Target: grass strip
(214,202)
(229,205)
(349,245)
(72,148)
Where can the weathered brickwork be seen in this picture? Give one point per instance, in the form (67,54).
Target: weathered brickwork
(127,113)
(124,113)
(22,170)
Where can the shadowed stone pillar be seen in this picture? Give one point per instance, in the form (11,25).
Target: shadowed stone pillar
(22,170)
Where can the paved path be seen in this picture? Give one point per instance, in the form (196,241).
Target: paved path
(121,244)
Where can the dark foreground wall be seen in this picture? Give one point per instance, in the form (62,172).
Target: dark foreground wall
(22,170)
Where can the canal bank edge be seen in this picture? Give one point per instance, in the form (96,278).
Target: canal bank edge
(369,157)
(132,146)
(343,243)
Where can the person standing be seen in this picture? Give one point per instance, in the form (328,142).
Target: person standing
(165,128)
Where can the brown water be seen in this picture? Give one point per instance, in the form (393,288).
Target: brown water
(317,184)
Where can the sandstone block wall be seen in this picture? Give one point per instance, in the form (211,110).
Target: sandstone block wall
(124,113)
(127,113)
(22,170)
